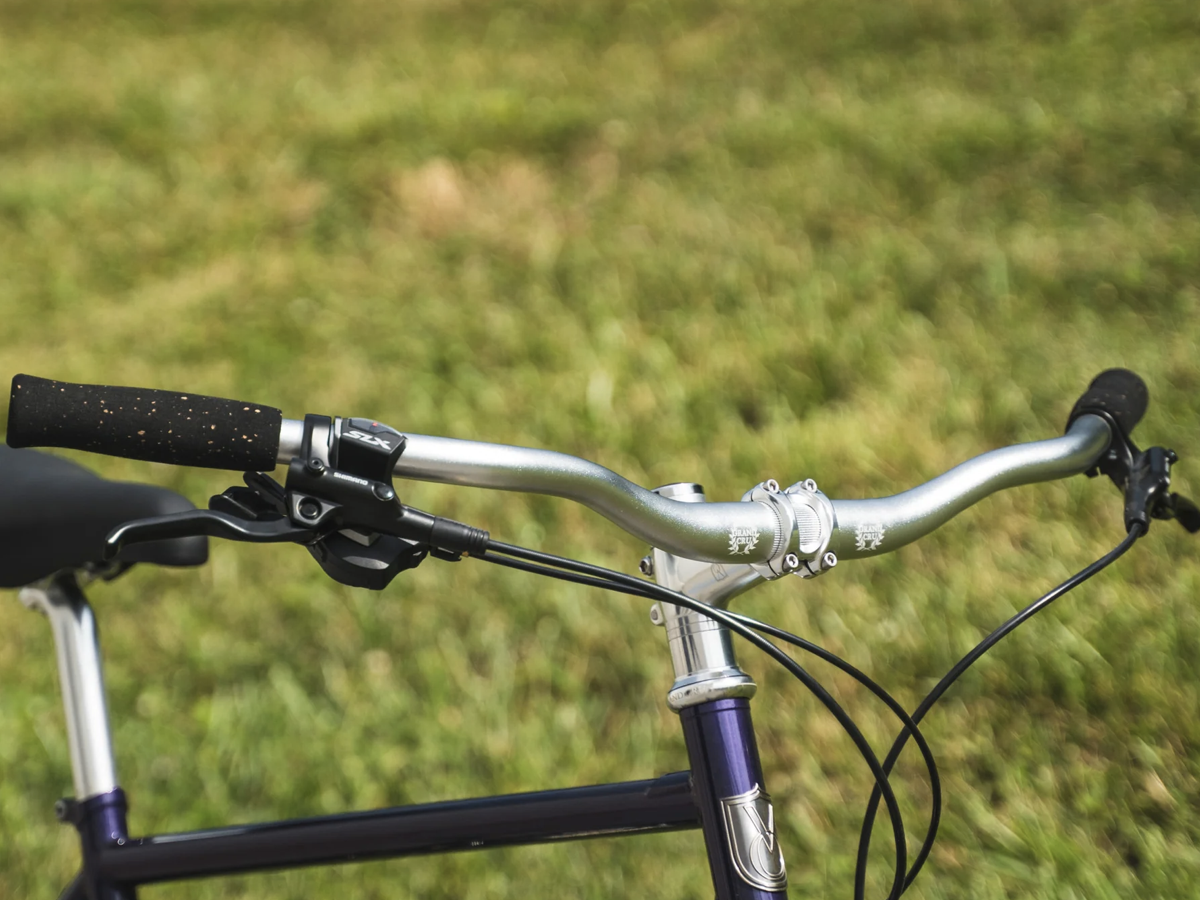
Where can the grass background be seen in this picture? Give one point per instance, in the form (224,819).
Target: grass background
(711,241)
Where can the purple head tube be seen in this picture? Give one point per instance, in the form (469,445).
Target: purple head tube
(735,809)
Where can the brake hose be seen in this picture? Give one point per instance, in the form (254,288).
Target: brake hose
(950,677)
(597,576)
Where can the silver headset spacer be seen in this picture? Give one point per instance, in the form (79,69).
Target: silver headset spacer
(815,519)
(783,560)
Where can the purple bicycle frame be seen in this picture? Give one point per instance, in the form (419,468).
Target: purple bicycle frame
(722,794)
(724,767)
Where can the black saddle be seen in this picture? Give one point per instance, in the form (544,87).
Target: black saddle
(55,515)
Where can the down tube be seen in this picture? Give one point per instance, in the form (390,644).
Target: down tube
(735,809)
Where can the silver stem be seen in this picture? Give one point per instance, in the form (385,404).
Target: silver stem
(82,681)
(701,649)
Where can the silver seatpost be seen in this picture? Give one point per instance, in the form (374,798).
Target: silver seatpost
(81,679)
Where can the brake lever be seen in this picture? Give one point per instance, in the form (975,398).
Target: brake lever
(1146,494)
(1184,511)
(205,522)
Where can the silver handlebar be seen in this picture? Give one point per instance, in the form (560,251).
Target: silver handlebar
(869,527)
(701,531)
(768,525)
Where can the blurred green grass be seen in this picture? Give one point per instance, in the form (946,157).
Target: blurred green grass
(692,241)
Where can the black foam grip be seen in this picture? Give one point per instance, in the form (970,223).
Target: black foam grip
(1118,392)
(160,426)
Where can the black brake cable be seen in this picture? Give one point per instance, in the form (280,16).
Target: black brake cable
(910,725)
(950,677)
(583,573)
(797,641)
(604,578)
(650,591)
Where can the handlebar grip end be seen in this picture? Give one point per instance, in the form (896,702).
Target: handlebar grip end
(139,423)
(1119,393)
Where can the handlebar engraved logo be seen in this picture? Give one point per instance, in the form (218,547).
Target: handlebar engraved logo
(868,537)
(750,828)
(742,539)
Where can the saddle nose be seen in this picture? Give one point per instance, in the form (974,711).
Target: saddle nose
(55,514)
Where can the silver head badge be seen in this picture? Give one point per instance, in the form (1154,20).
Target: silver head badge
(750,829)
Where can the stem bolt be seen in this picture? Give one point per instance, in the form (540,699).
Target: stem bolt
(791,562)
(656,615)
(646,566)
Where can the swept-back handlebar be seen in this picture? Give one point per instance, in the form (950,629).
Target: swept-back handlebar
(747,531)
(869,527)
(772,530)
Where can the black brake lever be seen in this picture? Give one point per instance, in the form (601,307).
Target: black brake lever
(207,522)
(349,518)
(1146,494)
(1120,398)
(1185,512)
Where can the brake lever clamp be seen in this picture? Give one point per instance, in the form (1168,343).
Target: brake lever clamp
(354,516)
(1147,496)
(340,486)
(1120,398)
(1144,477)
